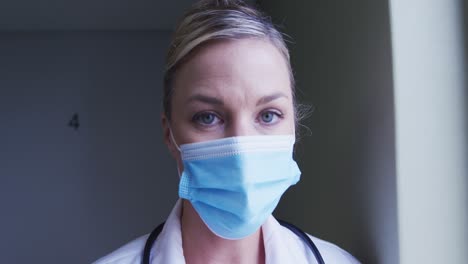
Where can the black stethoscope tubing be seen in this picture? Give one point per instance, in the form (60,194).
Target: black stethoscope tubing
(154,235)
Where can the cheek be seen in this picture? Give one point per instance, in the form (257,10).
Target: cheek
(290,125)
(291,122)
(291,117)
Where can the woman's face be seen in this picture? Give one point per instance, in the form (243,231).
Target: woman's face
(230,88)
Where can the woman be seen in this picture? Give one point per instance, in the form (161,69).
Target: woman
(229,121)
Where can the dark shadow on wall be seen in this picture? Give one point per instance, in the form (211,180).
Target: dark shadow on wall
(341,57)
(464,15)
(79,194)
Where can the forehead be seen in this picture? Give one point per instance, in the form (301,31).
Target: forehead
(243,67)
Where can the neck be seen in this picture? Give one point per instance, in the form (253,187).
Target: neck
(200,245)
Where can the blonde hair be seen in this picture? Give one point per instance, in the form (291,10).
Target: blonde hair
(209,20)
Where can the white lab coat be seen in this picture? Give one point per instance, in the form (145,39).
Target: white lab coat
(281,246)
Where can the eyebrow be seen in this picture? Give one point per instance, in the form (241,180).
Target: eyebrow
(269,98)
(217,101)
(205,99)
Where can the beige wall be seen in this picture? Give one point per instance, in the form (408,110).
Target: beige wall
(431,119)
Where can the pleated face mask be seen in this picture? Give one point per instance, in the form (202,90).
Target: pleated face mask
(235,183)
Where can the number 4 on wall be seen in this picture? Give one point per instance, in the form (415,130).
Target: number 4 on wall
(74,122)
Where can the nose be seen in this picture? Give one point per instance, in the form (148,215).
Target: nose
(241,125)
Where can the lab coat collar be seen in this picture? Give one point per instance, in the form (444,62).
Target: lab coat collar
(280,245)
(168,246)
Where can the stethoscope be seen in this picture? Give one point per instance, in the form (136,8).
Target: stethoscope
(154,235)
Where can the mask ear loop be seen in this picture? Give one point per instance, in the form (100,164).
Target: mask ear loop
(173,140)
(177,147)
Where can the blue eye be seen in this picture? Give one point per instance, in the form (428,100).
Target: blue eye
(269,117)
(206,119)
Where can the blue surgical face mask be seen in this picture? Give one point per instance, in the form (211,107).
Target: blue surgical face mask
(235,183)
